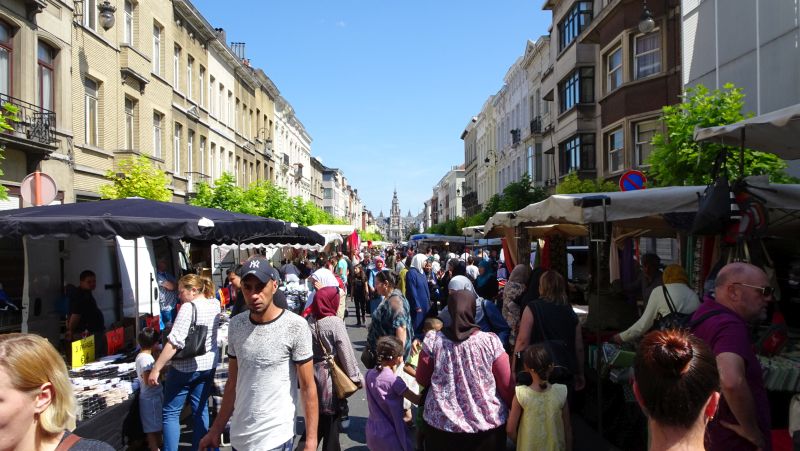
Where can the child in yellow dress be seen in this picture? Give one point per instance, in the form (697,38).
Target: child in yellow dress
(544,424)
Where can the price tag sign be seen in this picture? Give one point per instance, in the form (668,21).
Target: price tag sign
(82,351)
(115,340)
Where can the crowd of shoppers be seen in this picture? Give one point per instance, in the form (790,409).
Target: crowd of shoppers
(483,367)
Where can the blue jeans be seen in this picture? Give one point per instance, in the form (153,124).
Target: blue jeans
(197,386)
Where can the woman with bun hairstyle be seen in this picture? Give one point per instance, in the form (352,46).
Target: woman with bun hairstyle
(676,383)
(190,377)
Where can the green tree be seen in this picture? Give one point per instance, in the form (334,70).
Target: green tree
(260,199)
(137,177)
(8,116)
(572,184)
(370,236)
(678,160)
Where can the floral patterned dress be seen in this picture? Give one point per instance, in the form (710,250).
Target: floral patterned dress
(387,317)
(463,394)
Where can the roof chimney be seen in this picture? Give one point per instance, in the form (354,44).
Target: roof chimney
(221,34)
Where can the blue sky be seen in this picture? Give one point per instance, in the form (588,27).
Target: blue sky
(384,88)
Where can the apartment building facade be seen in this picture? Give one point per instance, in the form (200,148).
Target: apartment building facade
(470,195)
(35,60)
(486,172)
(536,62)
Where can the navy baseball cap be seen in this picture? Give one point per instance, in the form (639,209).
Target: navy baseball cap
(260,268)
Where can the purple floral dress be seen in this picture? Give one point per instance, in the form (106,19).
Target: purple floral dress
(386,430)
(463,395)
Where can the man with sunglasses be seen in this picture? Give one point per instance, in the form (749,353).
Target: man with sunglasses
(742,293)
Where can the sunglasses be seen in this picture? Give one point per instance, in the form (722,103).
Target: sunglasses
(765,291)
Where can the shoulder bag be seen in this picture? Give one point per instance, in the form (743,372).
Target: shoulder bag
(195,343)
(342,384)
(673,320)
(68,442)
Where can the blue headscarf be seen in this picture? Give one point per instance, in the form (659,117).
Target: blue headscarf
(488,273)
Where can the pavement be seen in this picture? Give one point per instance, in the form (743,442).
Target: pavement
(354,437)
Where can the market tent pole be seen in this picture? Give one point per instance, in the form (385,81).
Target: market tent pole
(136,284)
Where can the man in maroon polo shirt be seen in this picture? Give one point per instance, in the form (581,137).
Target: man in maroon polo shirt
(742,292)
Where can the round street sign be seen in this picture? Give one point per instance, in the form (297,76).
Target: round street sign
(46,189)
(632,180)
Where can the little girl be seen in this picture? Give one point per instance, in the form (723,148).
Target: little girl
(386,429)
(543,407)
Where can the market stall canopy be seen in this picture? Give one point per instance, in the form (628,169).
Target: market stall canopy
(642,209)
(340,229)
(434,238)
(473,231)
(777,132)
(568,230)
(142,218)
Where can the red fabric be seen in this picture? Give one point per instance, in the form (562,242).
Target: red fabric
(781,440)
(508,258)
(424,369)
(326,302)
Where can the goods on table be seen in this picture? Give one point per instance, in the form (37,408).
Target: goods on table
(102,384)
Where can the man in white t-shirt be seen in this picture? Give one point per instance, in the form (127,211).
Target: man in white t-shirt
(270,351)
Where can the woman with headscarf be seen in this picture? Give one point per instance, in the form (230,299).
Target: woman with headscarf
(487,315)
(684,300)
(551,318)
(470,382)
(486,284)
(417,292)
(513,294)
(328,330)
(321,278)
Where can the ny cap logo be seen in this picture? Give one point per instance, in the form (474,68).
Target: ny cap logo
(254,264)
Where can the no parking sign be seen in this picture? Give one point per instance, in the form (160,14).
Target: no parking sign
(632,181)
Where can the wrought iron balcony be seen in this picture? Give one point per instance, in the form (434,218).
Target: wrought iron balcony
(536,125)
(35,123)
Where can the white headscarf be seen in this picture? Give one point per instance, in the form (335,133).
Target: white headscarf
(462,283)
(418,262)
(325,277)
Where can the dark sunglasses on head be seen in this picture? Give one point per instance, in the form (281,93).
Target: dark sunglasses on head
(765,291)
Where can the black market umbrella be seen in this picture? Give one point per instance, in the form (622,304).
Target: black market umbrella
(142,218)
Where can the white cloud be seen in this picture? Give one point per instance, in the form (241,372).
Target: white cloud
(341,24)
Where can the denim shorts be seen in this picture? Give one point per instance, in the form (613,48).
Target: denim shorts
(150,411)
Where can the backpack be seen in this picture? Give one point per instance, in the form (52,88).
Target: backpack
(674,319)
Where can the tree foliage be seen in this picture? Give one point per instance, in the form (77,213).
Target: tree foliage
(137,177)
(369,236)
(515,196)
(8,116)
(572,184)
(260,199)
(678,160)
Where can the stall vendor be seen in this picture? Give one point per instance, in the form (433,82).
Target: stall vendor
(84,316)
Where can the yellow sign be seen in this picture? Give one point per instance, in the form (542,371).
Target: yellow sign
(82,351)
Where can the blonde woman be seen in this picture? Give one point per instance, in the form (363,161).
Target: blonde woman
(37,406)
(191,377)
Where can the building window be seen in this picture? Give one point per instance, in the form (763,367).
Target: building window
(201,85)
(615,144)
(130,134)
(212,157)
(189,77)
(202,155)
(647,54)
(577,88)
(644,133)
(211,103)
(189,152)
(46,61)
(576,20)
(327,193)
(220,105)
(576,153)
(614,68)
(156,50)
(231,113)
(91,105)
(176,149)
(176,61)
(127,36)
(90,14)
(6,56)
(538,162)
(157,119)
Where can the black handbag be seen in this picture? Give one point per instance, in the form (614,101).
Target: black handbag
(714,205)
(195,343)
(673,320)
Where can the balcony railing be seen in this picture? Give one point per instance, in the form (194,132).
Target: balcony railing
(536,125)
(36,123)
